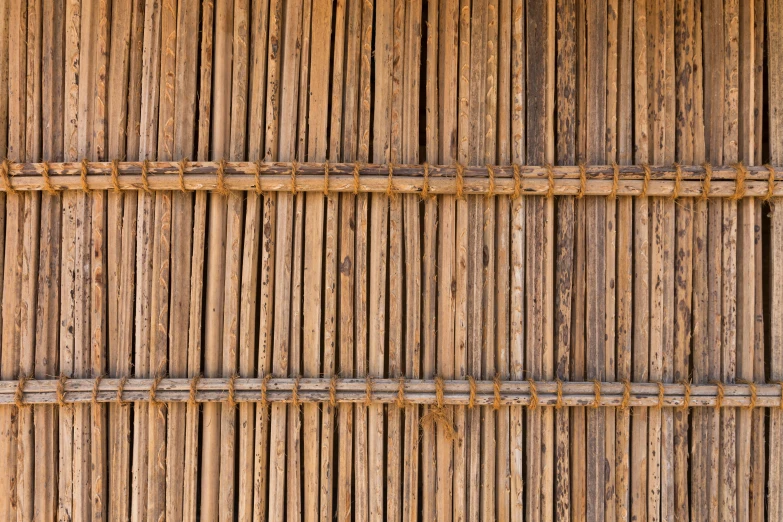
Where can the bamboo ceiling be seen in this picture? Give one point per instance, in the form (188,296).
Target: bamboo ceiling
(391,260)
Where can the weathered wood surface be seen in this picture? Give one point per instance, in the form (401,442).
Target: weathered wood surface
(255,202)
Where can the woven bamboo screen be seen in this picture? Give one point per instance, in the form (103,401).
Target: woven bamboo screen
(391,259)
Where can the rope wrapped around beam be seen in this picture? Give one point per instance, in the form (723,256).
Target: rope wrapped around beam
(673,181)
(437,392)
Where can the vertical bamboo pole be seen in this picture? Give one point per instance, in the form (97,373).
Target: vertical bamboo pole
(48,299)
(430,235)
(347,254)
(566,155)
(4,46)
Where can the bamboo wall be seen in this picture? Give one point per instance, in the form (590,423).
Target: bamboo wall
(282,259)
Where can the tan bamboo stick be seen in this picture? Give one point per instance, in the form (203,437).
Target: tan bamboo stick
(4,46)
(48,298)
(304,77)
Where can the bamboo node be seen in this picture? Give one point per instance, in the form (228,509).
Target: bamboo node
(491,173)
(533,395)
(460,181)
(231,399)
(181,167)
(47,180)
(221,178)
(115,175)
(368,390)
(517,182)
(438,415)
(19,395)
(61,391)
(770,182)
(550,175)
(390,190)
(677,182)
(294,169)
(615,180)
(472,395)
(5,172)
(295,392)
(333,391)
(496,388)
(753,393)
(559,401)
(739,184)
(121,388)
(356,183)
(582,181)
(145,184)
(401,393)
(326,179)
(597,391)
(661,395)
(84,170)
(626,394)
(706,182)
(719,398)
(425,188)
(686,403)
(646,182)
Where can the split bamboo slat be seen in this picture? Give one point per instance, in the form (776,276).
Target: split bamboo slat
(391,260)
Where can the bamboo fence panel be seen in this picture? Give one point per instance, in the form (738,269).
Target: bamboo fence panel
(391,260)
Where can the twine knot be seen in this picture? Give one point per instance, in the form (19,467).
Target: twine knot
(5,172)
(533,395)
(517,182)
(437,414)
(646,182)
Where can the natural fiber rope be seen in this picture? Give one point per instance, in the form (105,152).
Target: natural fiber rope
(115,176)
(626,394)
(356,183)
(84,170)
(181,168)
(460,180)
(677,182)
(496,388)
(739,184)
(333,391)
(491,189)
(326,179)
(257,174)
(401,394)
(145,184)
(661,395)
(472,393)
(295,393)
(221,179)
(615,180)
(705,186)
(582,181)
(559,402)
(47,180)
(753,393)
(294,168)
(517,182)
(232,381)
(368,390)
(96,385)
(390,190)
(61,391)
(19,394)
(425,189)
(550,175)
(533,395)
(646,183)
(597,391)
(5,172)
(721,391)
(120,388)
(781,395)
(193,389)
(770,182)
(154,391)
(264,386)
(437,414)
(686,403)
